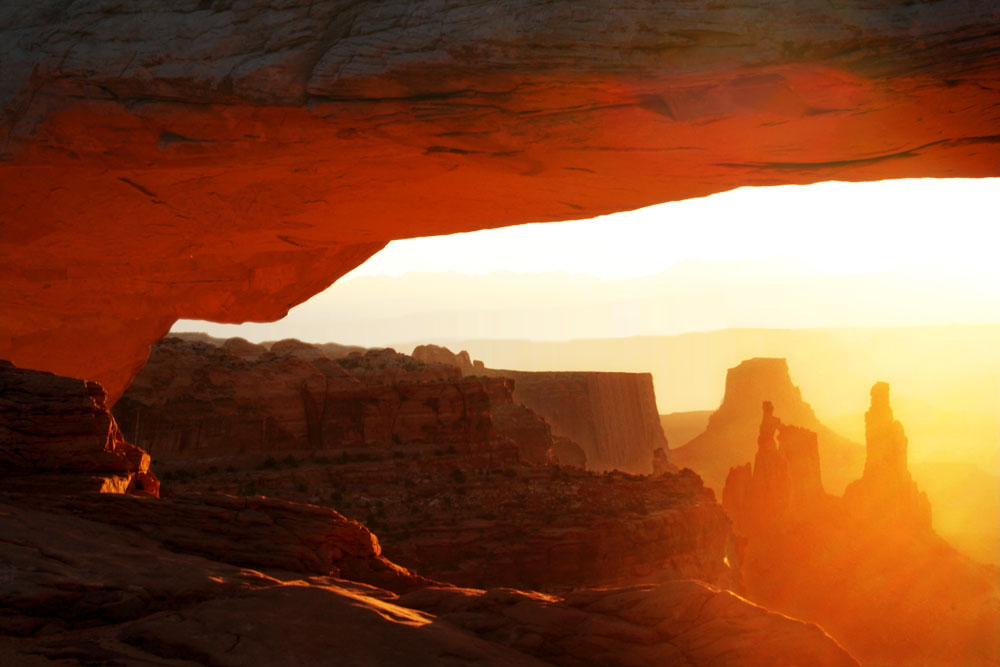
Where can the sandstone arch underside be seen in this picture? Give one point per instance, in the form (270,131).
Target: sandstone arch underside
(226,160)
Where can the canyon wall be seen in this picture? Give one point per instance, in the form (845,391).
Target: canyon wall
(57,435)
(612,416)
(240,157)
(110,577)
(199,401)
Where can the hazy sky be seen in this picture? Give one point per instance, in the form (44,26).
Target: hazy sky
(912,251)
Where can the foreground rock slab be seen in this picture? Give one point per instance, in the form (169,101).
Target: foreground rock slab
(80,592)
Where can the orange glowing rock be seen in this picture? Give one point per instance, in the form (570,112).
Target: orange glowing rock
(147,176)
(867,567)
(886,492)
(729,440)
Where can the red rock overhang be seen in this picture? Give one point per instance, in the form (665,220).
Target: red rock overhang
(187,159)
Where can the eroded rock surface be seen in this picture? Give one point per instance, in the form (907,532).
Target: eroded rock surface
(106,578)
(81,592)
(241,157)
(57,434)
(220,404)
(612,416)
(676,623)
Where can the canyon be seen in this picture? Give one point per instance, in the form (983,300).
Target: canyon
(202,578)
(449,468)
(219,160)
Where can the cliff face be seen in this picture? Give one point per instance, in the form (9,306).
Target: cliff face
(867,567)
(224,580)
(612,416)
(729,437)
(198,401)
(57,435)
(246,135)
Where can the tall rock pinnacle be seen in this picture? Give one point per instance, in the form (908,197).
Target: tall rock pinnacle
(886,488)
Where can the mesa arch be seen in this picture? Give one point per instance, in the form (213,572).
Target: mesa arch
(224,160)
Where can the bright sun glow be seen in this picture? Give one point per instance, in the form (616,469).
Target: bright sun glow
(839,228)
(891,253)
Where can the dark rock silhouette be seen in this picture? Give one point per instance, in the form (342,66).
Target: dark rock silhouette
(886,492)
(868,566)
(728,440)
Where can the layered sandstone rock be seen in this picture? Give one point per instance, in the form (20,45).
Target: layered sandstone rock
(197,401)
(566,452)
(249,532)
(536,527)
(57,434)
(111,593)
(266,149)
(612,416)
(729,438)
(680,622)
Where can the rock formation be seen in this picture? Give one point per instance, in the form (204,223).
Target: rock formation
(886,492)
(110,578)
(56,434)
(680,622)
(197,402)
(436,354)
(267,149)
(566,452)
(111,593)
(729,438)
(661,465)
(784,482)
(867,567)
(612,416)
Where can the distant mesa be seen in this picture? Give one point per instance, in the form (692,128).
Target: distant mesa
(612,416)
(729,438)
